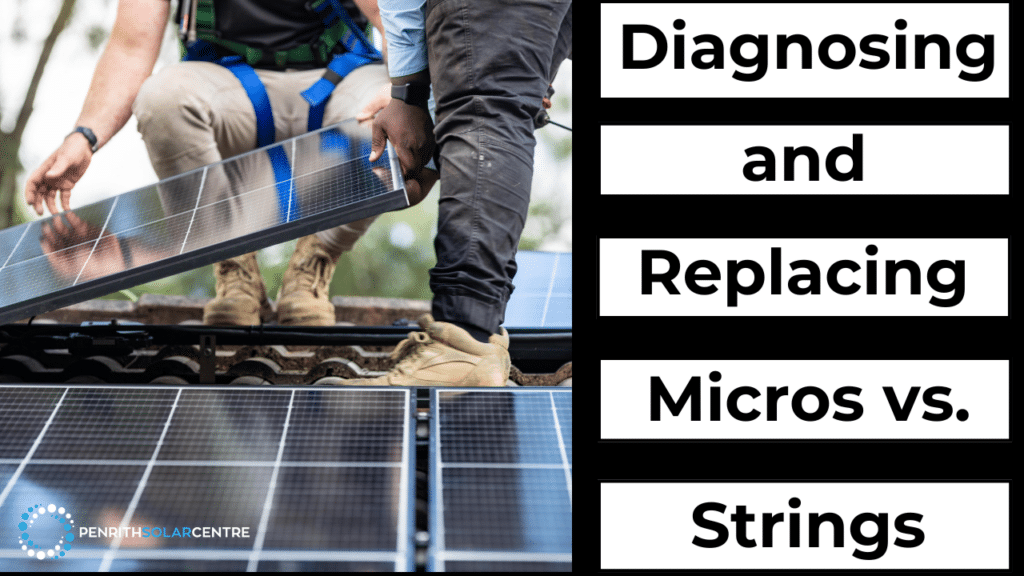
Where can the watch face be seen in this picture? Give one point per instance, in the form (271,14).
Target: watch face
(412,94)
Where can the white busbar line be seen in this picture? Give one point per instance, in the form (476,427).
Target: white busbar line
(261,534)
(32,450)
(561,448)
(109,556)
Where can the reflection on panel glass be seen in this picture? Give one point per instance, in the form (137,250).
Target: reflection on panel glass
(171,197)
(93,495)
(323,472)
(503,474)
(349,505)
(243,425)
(41,275)
(200,496)
(106,423)
(346,426)
(74,228)
(526,510)
(521,425)
(173,225)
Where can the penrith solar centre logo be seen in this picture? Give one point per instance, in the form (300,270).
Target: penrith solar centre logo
(37,537)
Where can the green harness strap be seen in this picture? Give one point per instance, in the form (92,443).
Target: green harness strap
(319,52)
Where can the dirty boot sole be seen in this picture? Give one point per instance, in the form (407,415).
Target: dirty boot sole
(233,312)
(305,313)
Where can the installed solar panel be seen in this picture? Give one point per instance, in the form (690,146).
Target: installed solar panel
(320,479)
(222,210)
(543,291)
(501,480)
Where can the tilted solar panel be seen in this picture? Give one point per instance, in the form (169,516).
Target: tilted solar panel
(197,218)
(501,480)
(318,478)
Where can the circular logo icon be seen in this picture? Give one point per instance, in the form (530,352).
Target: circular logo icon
(44,521)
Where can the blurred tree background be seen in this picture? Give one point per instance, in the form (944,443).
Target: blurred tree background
(392,259)
(10,139)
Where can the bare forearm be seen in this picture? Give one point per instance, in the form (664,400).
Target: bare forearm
(125,64)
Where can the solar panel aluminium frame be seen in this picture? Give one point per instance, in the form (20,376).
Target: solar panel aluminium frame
(405,549)
(396,199)
(438,554)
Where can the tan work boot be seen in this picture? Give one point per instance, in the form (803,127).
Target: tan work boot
(445,355)
(241,295)
(304,298)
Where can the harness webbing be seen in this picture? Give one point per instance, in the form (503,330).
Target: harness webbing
(338,30)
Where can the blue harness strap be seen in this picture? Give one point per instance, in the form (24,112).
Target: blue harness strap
(287,206)
(317,94)
(257,95)
(359,52)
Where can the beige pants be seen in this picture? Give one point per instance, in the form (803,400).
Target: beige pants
(192,114)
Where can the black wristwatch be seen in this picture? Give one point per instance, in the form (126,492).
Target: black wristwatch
(88,136)
(413,94)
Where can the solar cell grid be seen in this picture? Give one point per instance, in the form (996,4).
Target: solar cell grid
(180,565)
(454,566)
(489,509)
(321,477)
(106,423)
(502,481)
(95,495)
(243,425)
(171,457)
(361,426)
(179,496)
(498,427)
(23,413)
(360,510)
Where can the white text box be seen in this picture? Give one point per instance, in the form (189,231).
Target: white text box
(893,159)
(652,525)
(822,25)
(856,404)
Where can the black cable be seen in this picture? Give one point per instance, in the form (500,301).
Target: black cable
(559,125)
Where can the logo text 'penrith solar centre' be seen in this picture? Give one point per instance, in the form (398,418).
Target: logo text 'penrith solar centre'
(37,532)
(161,532)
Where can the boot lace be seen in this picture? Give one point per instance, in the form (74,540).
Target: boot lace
(313,272)
(411,347)
(235,276)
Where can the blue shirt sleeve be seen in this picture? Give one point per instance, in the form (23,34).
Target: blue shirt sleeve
(404,26)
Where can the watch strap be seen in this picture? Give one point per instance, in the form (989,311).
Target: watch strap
(412,94)
(89,135)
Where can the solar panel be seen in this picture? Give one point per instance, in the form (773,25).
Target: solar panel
(543,291)
(320,478)
(197,218)
(501,480)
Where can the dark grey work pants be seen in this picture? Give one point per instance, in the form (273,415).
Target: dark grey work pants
(490,65)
